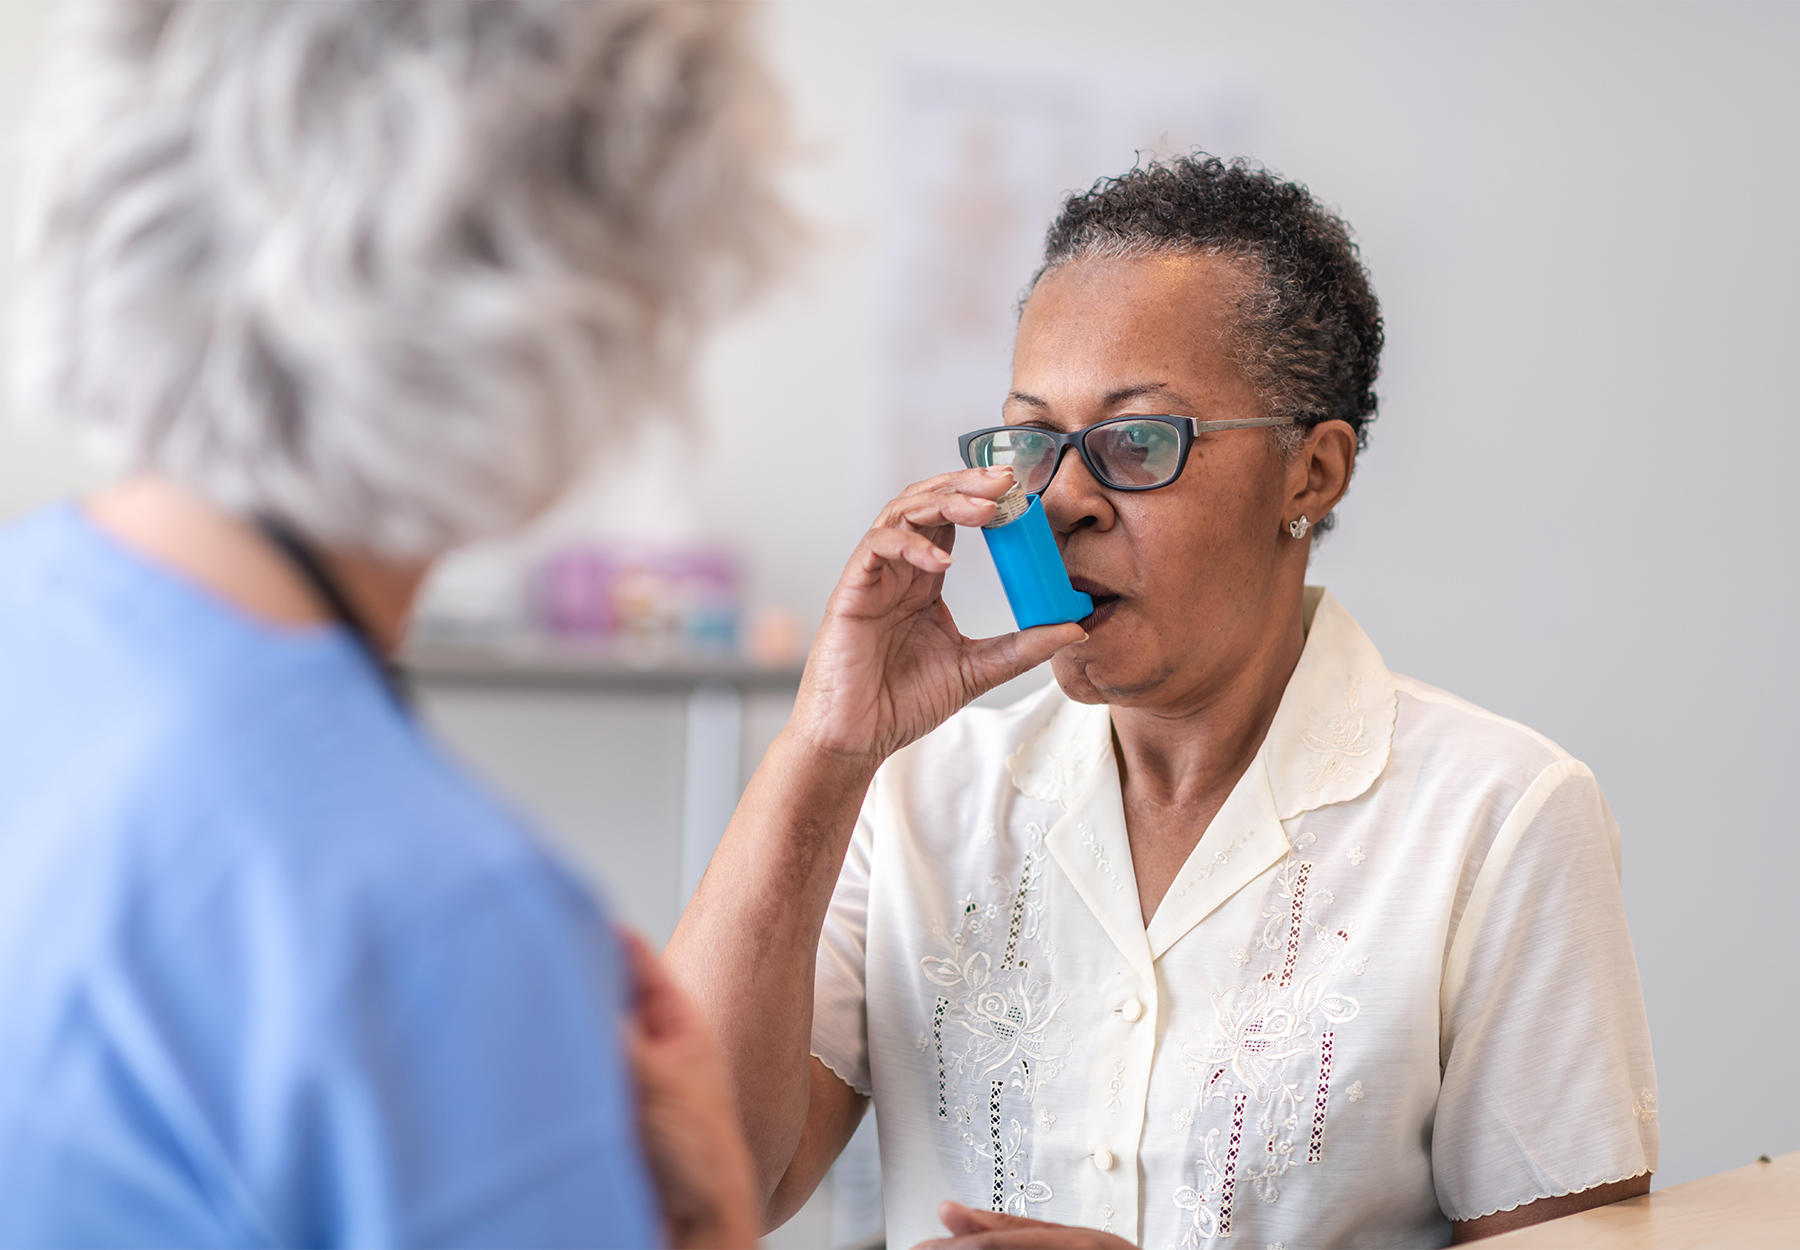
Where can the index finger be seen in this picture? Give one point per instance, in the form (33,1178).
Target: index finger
(989,483)
(966,498)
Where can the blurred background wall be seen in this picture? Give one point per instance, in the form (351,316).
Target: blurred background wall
(1574,509)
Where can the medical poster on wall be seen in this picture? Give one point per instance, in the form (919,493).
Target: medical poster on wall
(979,160)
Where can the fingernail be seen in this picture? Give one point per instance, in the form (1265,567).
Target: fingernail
(998,470)
(1084,635)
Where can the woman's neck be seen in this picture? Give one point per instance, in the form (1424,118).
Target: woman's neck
(1188,747)
(1179,761)
(227,556)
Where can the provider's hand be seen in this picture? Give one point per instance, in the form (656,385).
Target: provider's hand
(687,1116)
(970,1229)
(889,664)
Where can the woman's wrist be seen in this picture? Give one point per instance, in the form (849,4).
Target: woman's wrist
(791,828)
(814,760)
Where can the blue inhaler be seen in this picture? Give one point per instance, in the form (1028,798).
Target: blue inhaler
(1031,568)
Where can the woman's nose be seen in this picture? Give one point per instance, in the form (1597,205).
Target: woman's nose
(1074,500)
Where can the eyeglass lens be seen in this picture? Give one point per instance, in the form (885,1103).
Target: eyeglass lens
(1134,453)
(1124,453)
(1030,454)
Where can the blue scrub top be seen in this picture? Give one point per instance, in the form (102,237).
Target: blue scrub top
(273,971)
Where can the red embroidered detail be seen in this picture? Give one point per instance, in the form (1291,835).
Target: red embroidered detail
(1229,1186)
(1294,923)
(1313,1152)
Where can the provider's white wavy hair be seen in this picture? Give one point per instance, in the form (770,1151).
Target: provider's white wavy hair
(386,270)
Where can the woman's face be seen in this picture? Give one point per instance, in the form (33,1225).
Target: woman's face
(1193,580)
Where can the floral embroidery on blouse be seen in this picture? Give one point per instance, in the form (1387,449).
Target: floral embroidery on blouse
(1091,841)
(1053,765)
(1220,858)
(1339,739)
(1013,1186)
(1268,1056)
(1218,1172)
(995,1027)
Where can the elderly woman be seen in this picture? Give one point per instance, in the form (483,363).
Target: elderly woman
(1229,933)
(340,286)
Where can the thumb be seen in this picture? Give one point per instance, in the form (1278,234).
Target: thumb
(990,661)
(656,1002)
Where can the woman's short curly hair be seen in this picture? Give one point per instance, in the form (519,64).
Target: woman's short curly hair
(387,270)
(1310,327)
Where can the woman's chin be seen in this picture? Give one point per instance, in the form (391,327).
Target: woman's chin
(1102,670)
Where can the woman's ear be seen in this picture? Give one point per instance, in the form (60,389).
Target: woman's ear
(1321,472)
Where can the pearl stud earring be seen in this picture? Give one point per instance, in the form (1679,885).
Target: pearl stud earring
(1298,528)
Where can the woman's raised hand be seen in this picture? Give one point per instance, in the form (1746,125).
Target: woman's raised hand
(889,665)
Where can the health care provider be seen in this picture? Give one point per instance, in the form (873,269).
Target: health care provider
(1231,932)
(340,286)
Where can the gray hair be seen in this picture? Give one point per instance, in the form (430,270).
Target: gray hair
(386,270)
(1309,331)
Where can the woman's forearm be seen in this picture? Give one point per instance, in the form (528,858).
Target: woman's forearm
(746,946)
(887,667)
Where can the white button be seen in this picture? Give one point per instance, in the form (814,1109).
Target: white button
(1133,1011)
(1103,1160)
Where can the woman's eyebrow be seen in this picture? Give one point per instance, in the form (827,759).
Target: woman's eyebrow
(1114,398)
(1110,399)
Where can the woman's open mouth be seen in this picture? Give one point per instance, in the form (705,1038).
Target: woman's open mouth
(1104,602)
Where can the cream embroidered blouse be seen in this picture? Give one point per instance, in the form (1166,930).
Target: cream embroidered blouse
(1392,986)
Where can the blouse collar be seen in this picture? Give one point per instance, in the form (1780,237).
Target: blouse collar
(1330,739)
(1335,726)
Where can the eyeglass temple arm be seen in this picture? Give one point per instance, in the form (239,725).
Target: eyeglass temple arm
(1253,423)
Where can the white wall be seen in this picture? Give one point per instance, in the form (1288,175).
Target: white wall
(37,465)
(1574,508)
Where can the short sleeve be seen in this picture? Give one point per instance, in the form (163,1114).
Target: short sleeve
(840,1033)
(1548,1085)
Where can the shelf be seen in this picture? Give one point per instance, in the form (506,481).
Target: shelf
(549,663)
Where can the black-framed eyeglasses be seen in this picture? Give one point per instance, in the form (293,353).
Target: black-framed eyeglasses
(1123,453)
